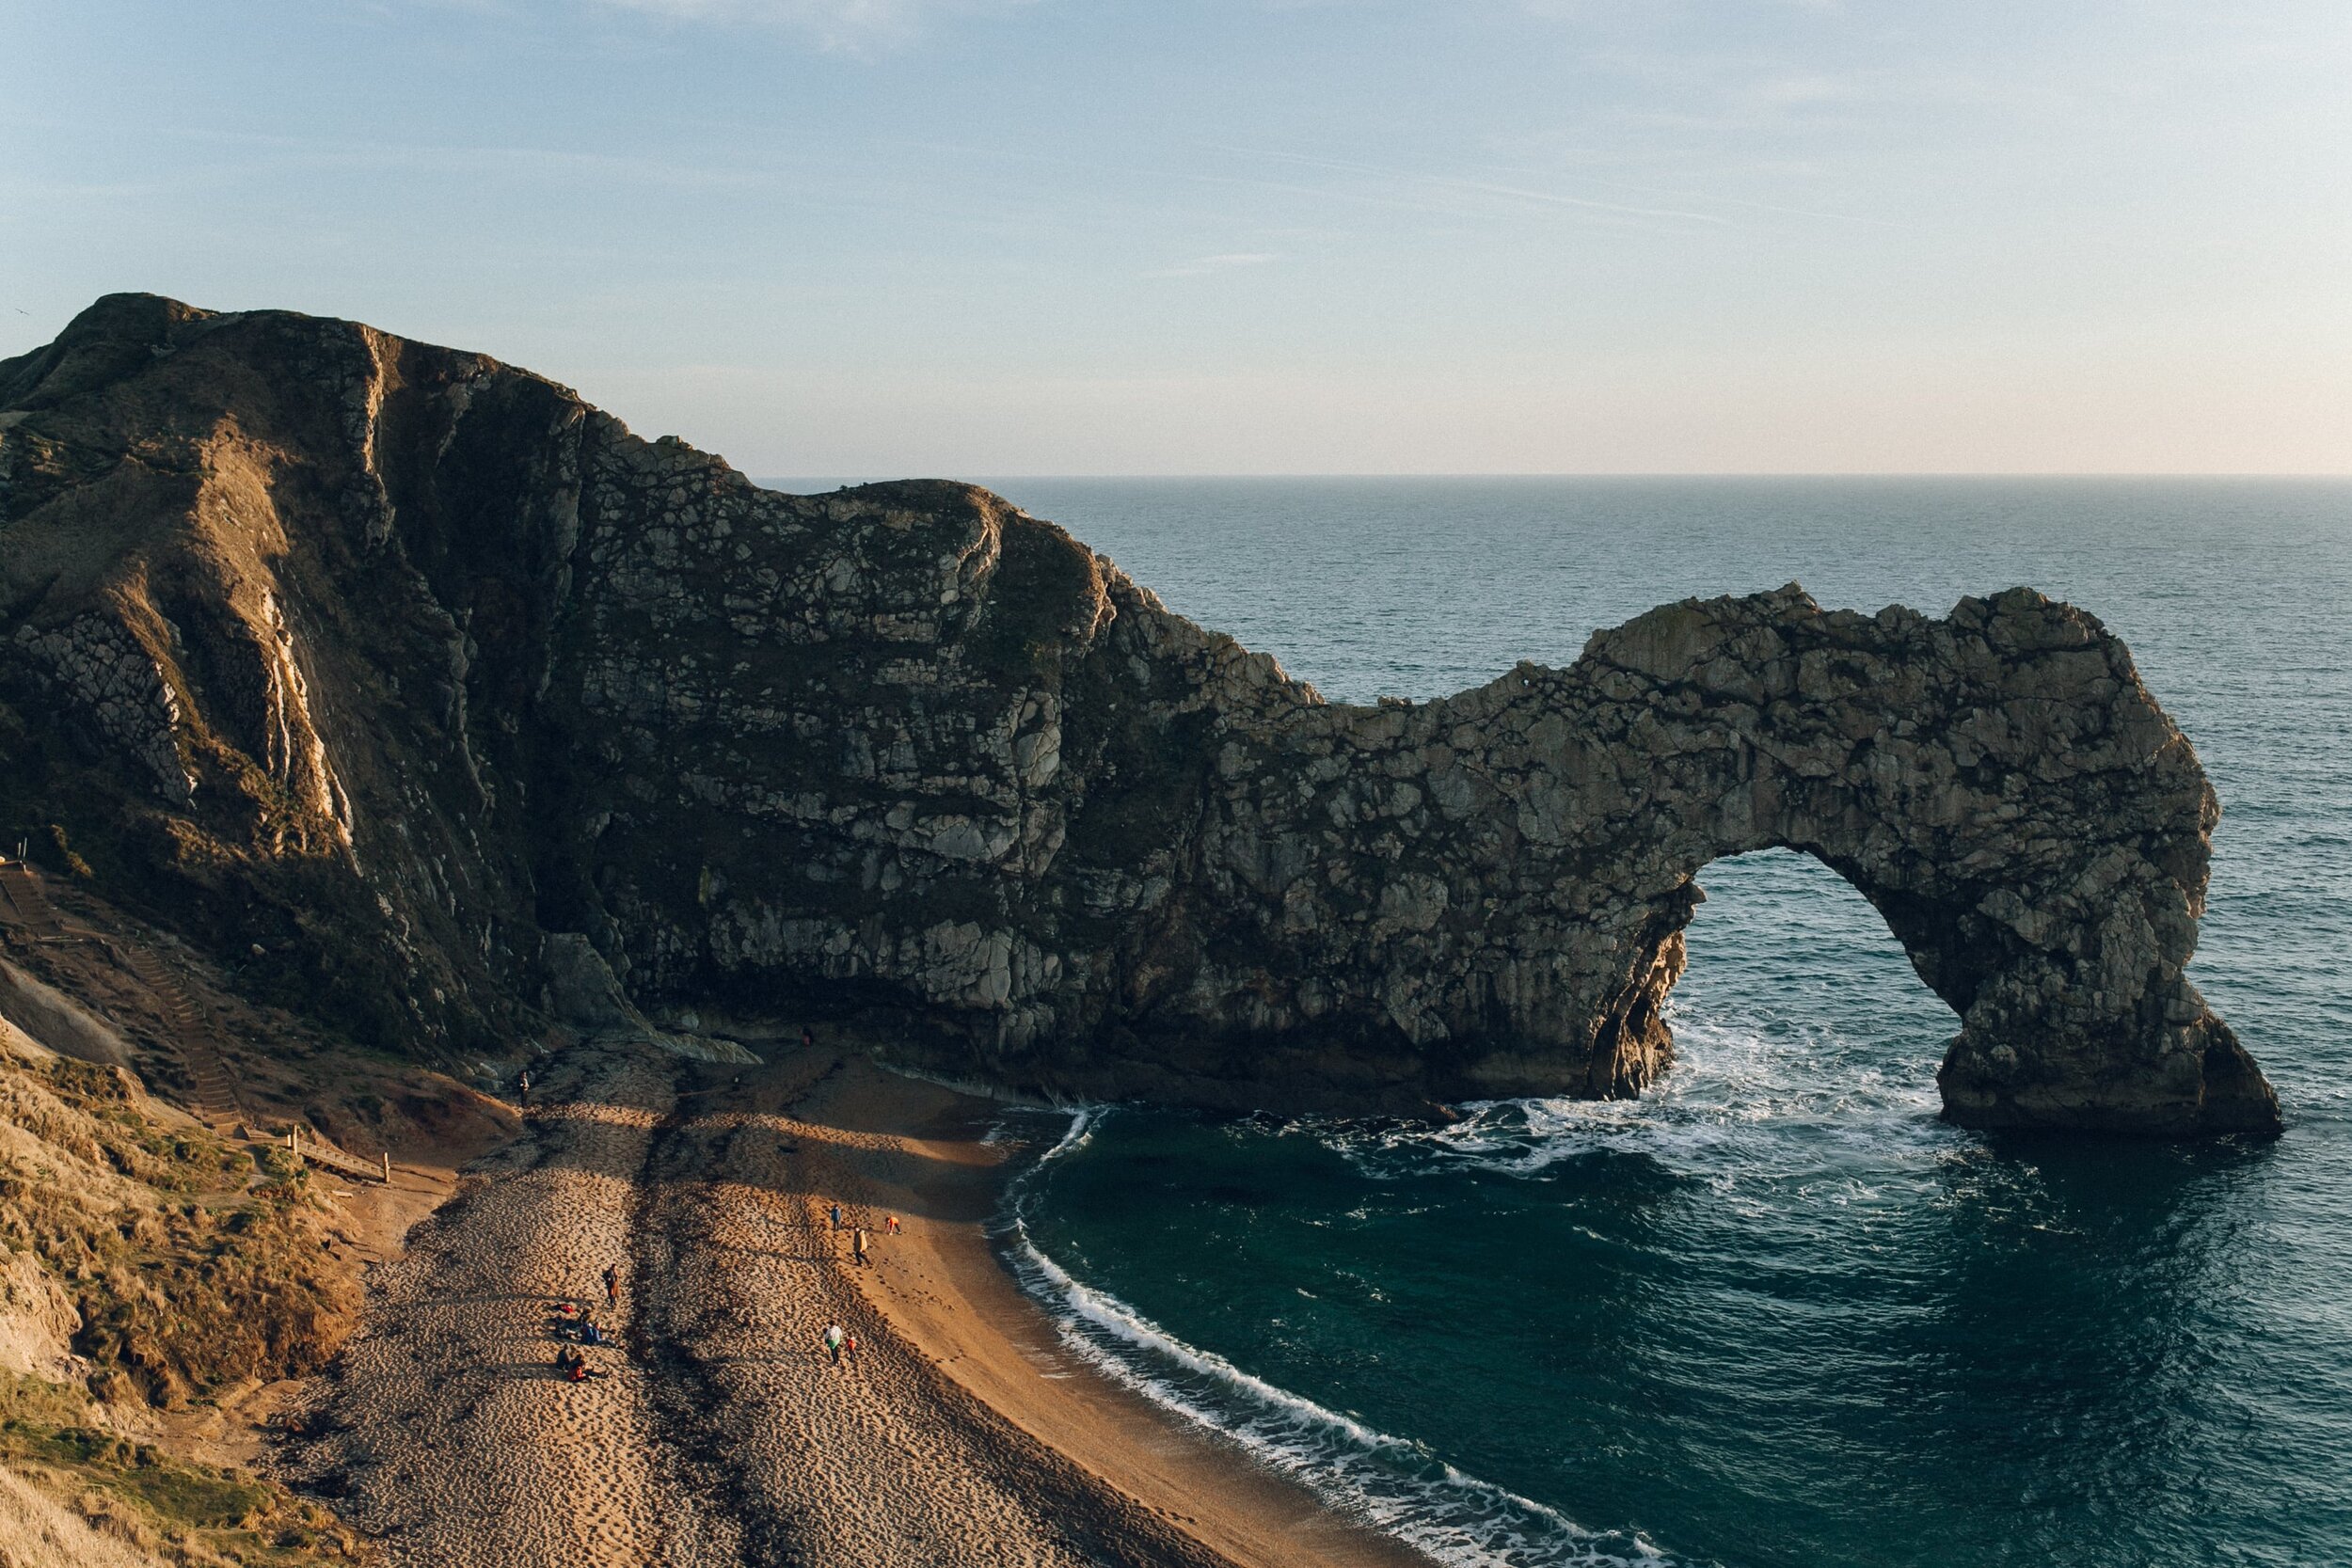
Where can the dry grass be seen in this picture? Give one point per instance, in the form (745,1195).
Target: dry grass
(196,1515)
(196,1266)
(194,1263)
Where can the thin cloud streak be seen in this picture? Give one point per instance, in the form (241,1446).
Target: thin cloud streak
(1479,187)
(846,26)
(1201,266)
(1720,200)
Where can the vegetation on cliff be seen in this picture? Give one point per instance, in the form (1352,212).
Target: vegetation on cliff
(146,1264)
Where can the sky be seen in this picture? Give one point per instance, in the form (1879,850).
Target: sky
(1004,237)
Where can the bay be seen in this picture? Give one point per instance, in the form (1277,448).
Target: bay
(1775,1312)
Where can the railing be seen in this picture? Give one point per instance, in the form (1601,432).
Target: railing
(335,1159)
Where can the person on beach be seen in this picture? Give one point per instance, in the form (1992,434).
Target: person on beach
(612,1285)
(836,1216)
(849,1349)
(890,1225)
(522,1092)
(832,1342)
(857,1243)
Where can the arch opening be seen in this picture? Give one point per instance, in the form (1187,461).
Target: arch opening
(1794,982)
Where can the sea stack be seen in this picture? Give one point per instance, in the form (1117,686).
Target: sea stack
(425,689)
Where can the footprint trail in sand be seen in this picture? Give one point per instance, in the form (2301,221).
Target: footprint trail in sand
(717,1429)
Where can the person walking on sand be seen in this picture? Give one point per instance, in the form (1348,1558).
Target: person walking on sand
(832,1342)
(836,1216)
(612,1285)
(849,1350)
(522,1092)
(857,1243)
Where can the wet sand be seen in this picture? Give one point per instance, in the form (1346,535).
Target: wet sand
(718,1428)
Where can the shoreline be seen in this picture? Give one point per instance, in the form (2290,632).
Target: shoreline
(713,1427)
(944,1286)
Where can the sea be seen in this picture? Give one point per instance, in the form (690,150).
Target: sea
(1774,1313)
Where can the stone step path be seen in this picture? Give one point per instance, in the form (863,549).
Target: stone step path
(193,1034)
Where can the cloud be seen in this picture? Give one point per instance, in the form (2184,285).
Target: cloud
(848,27)
(1201,265)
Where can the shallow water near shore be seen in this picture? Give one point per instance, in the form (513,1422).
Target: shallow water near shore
(1775,1312)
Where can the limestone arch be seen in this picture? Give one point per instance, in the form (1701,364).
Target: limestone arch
(1998,786)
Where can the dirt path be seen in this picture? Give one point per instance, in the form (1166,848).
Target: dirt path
(449,1432)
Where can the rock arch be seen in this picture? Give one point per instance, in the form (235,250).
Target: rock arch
(1999,784)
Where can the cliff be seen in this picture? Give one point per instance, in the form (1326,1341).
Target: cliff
(427,694)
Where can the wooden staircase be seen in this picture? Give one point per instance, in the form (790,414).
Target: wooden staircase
(194,1034)
(23,904)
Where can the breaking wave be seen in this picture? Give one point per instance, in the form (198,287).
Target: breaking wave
(1389,1482)
(1744,1104)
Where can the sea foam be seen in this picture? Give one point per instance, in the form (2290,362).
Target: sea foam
(1392,1484)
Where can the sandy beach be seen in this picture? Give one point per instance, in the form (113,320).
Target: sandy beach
(717,1428)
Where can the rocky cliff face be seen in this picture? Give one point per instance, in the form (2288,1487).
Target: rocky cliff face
(382,665)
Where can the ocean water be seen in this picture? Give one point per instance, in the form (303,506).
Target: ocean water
(1774,1312)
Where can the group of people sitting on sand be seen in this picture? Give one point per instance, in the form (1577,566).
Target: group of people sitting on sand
(569,1319)
(574,1322)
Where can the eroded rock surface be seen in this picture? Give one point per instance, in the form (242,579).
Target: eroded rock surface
(387,663)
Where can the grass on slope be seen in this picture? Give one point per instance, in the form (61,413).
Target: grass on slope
(195,1266)
(196,1515)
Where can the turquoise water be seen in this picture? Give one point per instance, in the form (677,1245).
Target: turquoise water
(1774,1313)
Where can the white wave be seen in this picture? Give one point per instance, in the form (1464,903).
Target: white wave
(1389,1482)
(1080,1133)
(1767,1110)
(1747,1100)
